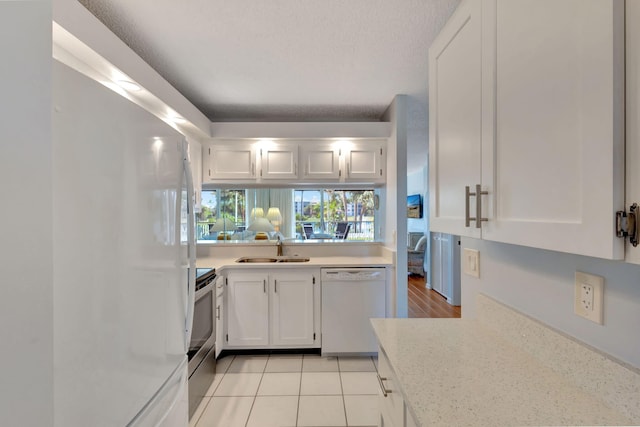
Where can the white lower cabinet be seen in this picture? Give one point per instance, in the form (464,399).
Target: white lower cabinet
(393,409)
(292,309)
(275,308)
(391,403)
(247,309)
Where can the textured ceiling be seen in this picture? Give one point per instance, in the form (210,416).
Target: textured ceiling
(288,60)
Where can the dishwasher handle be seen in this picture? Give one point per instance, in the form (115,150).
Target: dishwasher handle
(353,275)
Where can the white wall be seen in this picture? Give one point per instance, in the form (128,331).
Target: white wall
(417,184)
(26,246)
(394,201)
(539,283)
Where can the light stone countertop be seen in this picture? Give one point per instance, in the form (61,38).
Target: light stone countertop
(458,372)
(220,264)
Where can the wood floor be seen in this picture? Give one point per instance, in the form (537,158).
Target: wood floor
(425,302)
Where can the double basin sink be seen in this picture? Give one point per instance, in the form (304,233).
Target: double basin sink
(250,259)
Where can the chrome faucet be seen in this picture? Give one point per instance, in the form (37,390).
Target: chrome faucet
(279,247)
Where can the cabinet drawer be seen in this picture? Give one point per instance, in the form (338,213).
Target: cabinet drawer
(391,405)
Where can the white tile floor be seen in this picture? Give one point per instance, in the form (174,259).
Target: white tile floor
(291,390)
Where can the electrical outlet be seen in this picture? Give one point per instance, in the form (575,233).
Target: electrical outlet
(589,296)
(471,262)
(586,297)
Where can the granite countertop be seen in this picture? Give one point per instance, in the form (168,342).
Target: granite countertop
(459,372)
(221,264)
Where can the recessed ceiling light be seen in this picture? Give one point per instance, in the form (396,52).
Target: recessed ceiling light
(127,85)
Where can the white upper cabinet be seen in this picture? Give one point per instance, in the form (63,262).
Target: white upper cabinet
(320,161)
(364,161)
(553,124)
(279,160)
(323,161)
(632,253)
(230,160)
(549,132)
(455,119)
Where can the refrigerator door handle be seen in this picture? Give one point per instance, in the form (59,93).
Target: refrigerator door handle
(191,247)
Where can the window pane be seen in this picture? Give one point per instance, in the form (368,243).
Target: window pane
(233,206)
(208,214)
(322,214)
(325,209)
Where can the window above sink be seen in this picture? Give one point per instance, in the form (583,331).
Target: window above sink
(257,215)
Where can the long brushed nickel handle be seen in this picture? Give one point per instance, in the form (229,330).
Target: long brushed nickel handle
(467,210)
(385,391)
(479,193)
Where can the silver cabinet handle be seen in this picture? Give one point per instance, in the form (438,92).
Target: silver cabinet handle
(264,286)
(467,214)
(218,312)
(479,194)
(275,286)
(382,387)
(253,169)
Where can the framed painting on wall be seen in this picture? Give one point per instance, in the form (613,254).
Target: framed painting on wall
(414,206)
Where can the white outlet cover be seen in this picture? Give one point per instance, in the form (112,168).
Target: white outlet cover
(471,262)
(597,283)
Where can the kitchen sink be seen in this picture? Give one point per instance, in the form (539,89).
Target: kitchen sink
(248,259)
(293,259)
(256,259)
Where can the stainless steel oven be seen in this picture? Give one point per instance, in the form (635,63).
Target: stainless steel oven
(203,334)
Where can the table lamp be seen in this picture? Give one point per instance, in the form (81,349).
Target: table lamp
(261,226)
(223,226)
(275,217)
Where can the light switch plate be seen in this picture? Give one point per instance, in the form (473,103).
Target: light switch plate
(589,296)
(471,262)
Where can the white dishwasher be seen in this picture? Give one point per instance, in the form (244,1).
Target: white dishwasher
(350,297)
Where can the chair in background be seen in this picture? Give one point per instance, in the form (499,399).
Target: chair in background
(342,230)
(307,230)
(415,254)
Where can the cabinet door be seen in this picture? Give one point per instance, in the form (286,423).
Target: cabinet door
(292,313)
(231,161)
(247,309)
(279,161)
(553,124)
(455,119)
(632,254)
(319,160)
(391,405)
(364,161)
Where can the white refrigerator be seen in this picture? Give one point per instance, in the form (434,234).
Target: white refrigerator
(124,260)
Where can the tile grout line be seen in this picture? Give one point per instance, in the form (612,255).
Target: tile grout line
(344,405)
(246,423)
(212,393)
(299,390)
(203,410)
